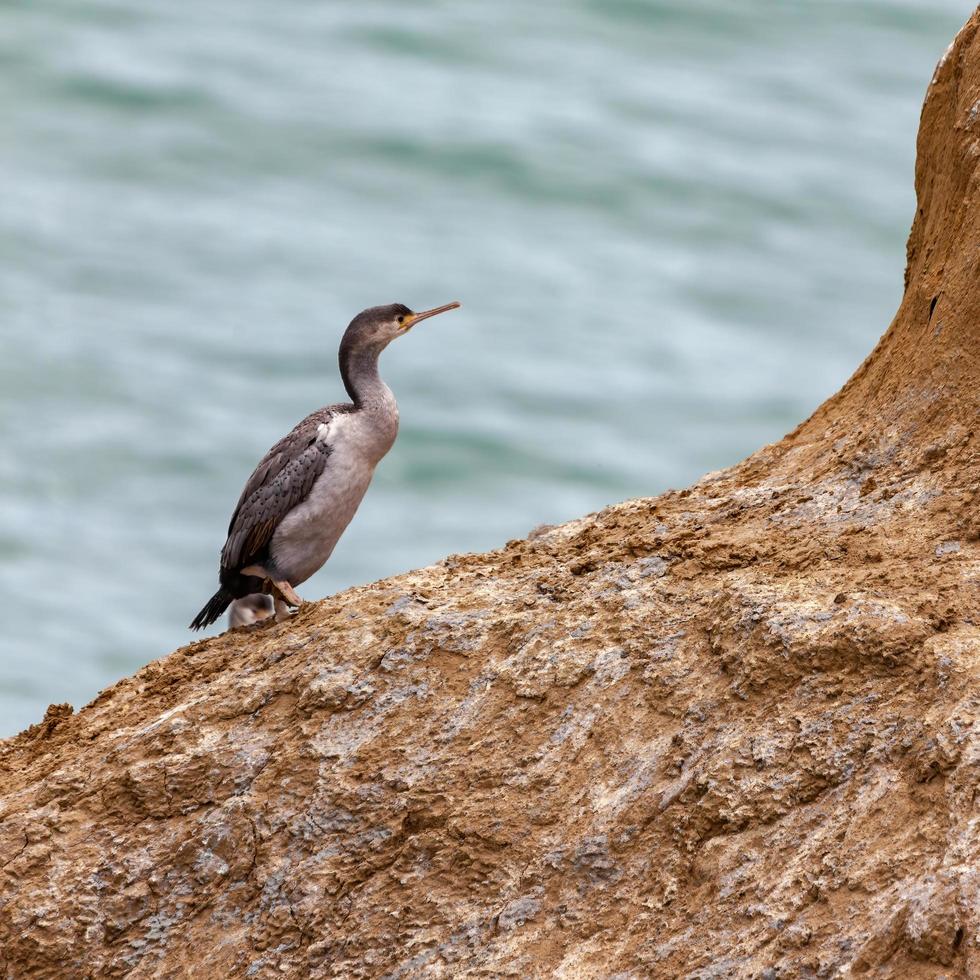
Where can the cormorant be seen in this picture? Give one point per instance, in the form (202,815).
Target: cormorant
(250,610)
(304,492)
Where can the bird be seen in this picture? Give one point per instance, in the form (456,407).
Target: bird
(305,490)
(250,610)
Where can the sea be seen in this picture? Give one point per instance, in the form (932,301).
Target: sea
(675,228)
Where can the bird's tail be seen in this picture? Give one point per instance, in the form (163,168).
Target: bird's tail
(215,607)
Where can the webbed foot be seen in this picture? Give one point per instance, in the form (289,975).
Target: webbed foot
(283,596)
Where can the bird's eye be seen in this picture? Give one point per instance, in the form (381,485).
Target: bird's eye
(401,319)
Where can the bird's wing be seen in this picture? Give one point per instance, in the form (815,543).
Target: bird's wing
(283,479)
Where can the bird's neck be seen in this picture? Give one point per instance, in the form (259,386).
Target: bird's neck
(359,371)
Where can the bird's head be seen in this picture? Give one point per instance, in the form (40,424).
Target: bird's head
(375,328)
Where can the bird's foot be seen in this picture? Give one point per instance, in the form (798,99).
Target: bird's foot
(281,589)
(283,596)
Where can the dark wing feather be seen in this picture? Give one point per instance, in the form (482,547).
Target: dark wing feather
(282,480)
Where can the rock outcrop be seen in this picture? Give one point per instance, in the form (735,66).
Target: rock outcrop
(726,732)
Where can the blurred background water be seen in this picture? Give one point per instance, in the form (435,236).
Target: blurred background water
(675,227)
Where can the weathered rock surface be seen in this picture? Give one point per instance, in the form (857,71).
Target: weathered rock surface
(728,732)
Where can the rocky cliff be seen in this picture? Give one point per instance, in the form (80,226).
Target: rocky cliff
(726,732)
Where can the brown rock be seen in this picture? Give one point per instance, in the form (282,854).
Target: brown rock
(730,732)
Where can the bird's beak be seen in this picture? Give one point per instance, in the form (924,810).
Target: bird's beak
(414,318)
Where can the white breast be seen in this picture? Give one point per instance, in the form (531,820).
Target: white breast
(306,537)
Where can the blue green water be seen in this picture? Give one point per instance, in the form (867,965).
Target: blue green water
(675,228)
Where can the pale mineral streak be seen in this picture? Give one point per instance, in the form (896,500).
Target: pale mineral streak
(727,732)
